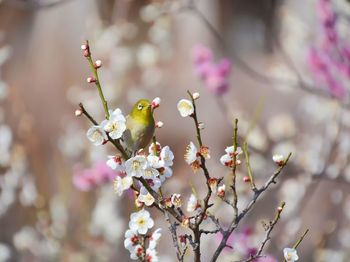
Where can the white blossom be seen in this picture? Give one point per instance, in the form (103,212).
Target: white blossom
(166,173)
(96,135)
(192,203)
(176,200)
(153,182)
(154,161)
(167,156)
(226,160)
(136,166)
(141,221)
(153,241)
(290,254)
(185,107)
(122,184)
(151,148)
(115,163)
(277,158)
(151,255)
(150,173)
(115,125)
(145,197)
(191,153)
(131,240)
(136,252)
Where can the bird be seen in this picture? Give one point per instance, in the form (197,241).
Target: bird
(140,126)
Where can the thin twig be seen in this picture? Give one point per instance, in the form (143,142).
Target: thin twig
(249,170)
(267,235)
(296,245)
(97,80)
(245,211)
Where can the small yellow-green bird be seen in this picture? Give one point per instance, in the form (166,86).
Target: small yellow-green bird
(139,126)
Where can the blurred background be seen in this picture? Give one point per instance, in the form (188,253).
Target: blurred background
(289,86)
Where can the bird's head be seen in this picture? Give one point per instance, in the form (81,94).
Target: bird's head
(142,111)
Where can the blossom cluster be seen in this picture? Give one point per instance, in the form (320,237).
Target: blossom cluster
(329,60)
(144,171)
(214,75)
(136,236)
(154,168)
(114,126)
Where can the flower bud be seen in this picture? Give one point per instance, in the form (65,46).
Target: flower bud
(98,64)
(201,125)
(246,179)
(278,159)
(176,200)
(156,102)
(195,95)
(90,79)
(205,152)
(78,112)
(84,47)
(213,183)
(167,202)
(221,191)
(138,203)
(159,124)
(280,209)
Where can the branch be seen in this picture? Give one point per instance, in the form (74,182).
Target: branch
(249,170)
(234,167)
(254,74)
(235,222)
(96,79)
(267,235)
(296,245)
(116,143)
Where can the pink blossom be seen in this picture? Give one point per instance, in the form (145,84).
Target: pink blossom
(241,242)
(316,62)
(330,60)
(87,179)
(202,54)
(214,75)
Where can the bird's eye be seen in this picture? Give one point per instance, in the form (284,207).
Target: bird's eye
(139,106)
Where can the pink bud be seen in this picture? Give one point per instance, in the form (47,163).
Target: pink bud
(78,112)
(90,79)
(84,47)
(246,179)
(280,209)
(156,102)
(159,124)
(98,64)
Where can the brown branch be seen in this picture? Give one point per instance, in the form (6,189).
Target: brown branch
(235,222)
(116,143)
(267,235)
